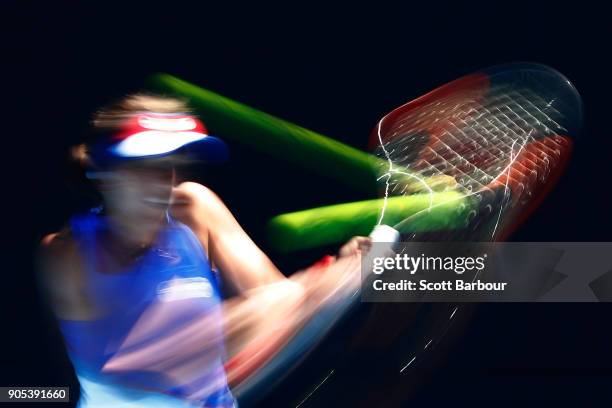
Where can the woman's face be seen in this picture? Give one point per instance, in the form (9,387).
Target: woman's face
(137,195)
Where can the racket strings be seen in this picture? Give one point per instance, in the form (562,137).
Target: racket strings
(475,140)
(499,148)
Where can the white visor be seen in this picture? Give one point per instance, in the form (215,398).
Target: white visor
(154,142)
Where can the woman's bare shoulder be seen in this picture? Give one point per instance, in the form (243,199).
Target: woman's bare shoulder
(61,276)
(190,192)
(57,240)
(57,244)
(58,254)
(195,200)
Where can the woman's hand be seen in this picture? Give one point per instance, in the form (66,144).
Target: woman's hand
(355,246)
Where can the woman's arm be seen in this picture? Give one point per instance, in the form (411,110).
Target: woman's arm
(59,272)
(229,247)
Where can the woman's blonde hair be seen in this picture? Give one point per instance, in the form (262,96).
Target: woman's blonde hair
(114,115)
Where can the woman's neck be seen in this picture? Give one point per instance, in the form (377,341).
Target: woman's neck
(127,240)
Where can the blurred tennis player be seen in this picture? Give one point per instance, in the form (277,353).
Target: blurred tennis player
(133,282)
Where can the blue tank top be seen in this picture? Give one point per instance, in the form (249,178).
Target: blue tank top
(175,273)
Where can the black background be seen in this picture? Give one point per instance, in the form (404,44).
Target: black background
(335,70)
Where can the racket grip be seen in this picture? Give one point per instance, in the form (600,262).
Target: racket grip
(384,233)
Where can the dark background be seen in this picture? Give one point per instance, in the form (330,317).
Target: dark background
(335,70)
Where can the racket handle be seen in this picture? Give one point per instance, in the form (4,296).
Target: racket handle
(384,233)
